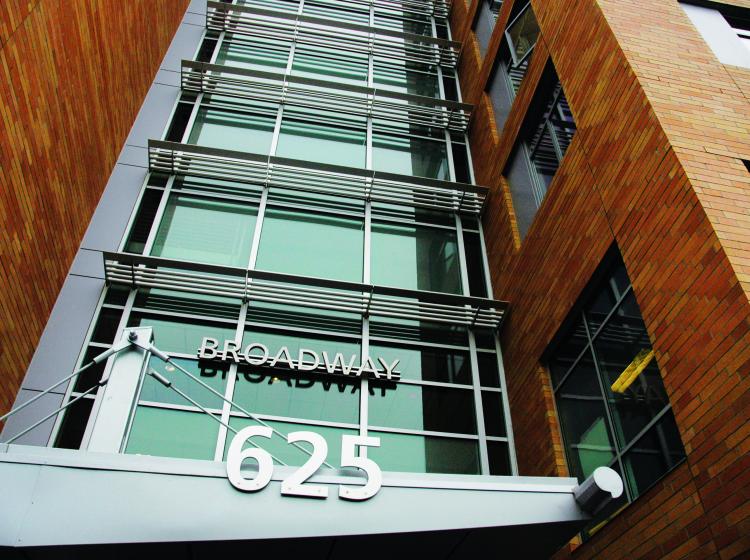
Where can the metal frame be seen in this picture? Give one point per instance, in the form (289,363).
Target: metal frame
(310,94)
(338,35)
(184,159)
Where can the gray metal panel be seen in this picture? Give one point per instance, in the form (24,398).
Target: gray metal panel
(167,78)
(63,337)
(719,35)
(133,155)
(111,217)
(197,7)
(113,504)
(28,417)
(519,175)
(183,46)
(194,19)
(484,26)
(154,113)
(88,263)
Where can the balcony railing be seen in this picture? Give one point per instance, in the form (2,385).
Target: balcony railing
(142,272)
(389,110)
(297,175)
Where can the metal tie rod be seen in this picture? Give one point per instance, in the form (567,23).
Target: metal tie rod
(57,411)
(98,359)
(252,416)
(167,383)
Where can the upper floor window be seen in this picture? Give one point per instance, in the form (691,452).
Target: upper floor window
(725,28)
(512,61)
(612,404)
(547,132)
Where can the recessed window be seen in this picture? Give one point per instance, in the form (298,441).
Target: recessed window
(726,30)
(612,404)
(544,138)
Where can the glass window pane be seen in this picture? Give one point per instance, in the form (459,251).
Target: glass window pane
(311,245)
(255,53)
(311,396)
(426,363)
(172,433)
(523,33)
(288,453)
(425,454)
(499,458)
(321,143)
(423,408)
(566,352)
(404,77)
(416,258)
(494,418)
(213,374)
(610,292)
(489,375)
(406,155)
(181,336)
(630,372)
(324,64)
(475,264)
(246,132)
(583,420)
(651,457)
(205,230)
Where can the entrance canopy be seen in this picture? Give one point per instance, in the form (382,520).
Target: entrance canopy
(90,502)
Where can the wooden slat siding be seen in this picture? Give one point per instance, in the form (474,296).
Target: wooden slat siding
(655,165)
(73,75)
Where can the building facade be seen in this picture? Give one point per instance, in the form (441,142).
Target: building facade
(477,251)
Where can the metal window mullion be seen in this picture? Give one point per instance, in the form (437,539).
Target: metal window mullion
(226,408)
(607,410)
(134,213)
(217,48)
(477,393)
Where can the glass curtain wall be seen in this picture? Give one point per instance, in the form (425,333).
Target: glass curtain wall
(448,411)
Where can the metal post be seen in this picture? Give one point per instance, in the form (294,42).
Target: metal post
(121,392)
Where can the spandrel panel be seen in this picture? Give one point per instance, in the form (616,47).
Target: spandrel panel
(205,230)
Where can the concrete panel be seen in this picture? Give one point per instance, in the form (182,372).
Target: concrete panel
(88,263)
(154,113)
(107,226)
(29,416)
(63,337)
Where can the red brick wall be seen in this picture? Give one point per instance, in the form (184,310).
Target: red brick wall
(73,75)
(655,166)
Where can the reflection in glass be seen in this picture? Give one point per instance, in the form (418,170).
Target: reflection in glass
(414,257)
(180,335)
(422,408)
(322,143)
(523,33)
(408,155)
(172,433)
(311,245)
(246,132)
(288,453)
(425,454)
(426,363)
(254,53)
(583,420)
(205,230)
(213,374)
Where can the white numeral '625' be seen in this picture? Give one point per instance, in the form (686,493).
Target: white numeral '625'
(293,485)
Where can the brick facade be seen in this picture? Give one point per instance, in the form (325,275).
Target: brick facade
(73,75)
(655,166)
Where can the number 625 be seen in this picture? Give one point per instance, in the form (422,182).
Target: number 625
(293,485)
